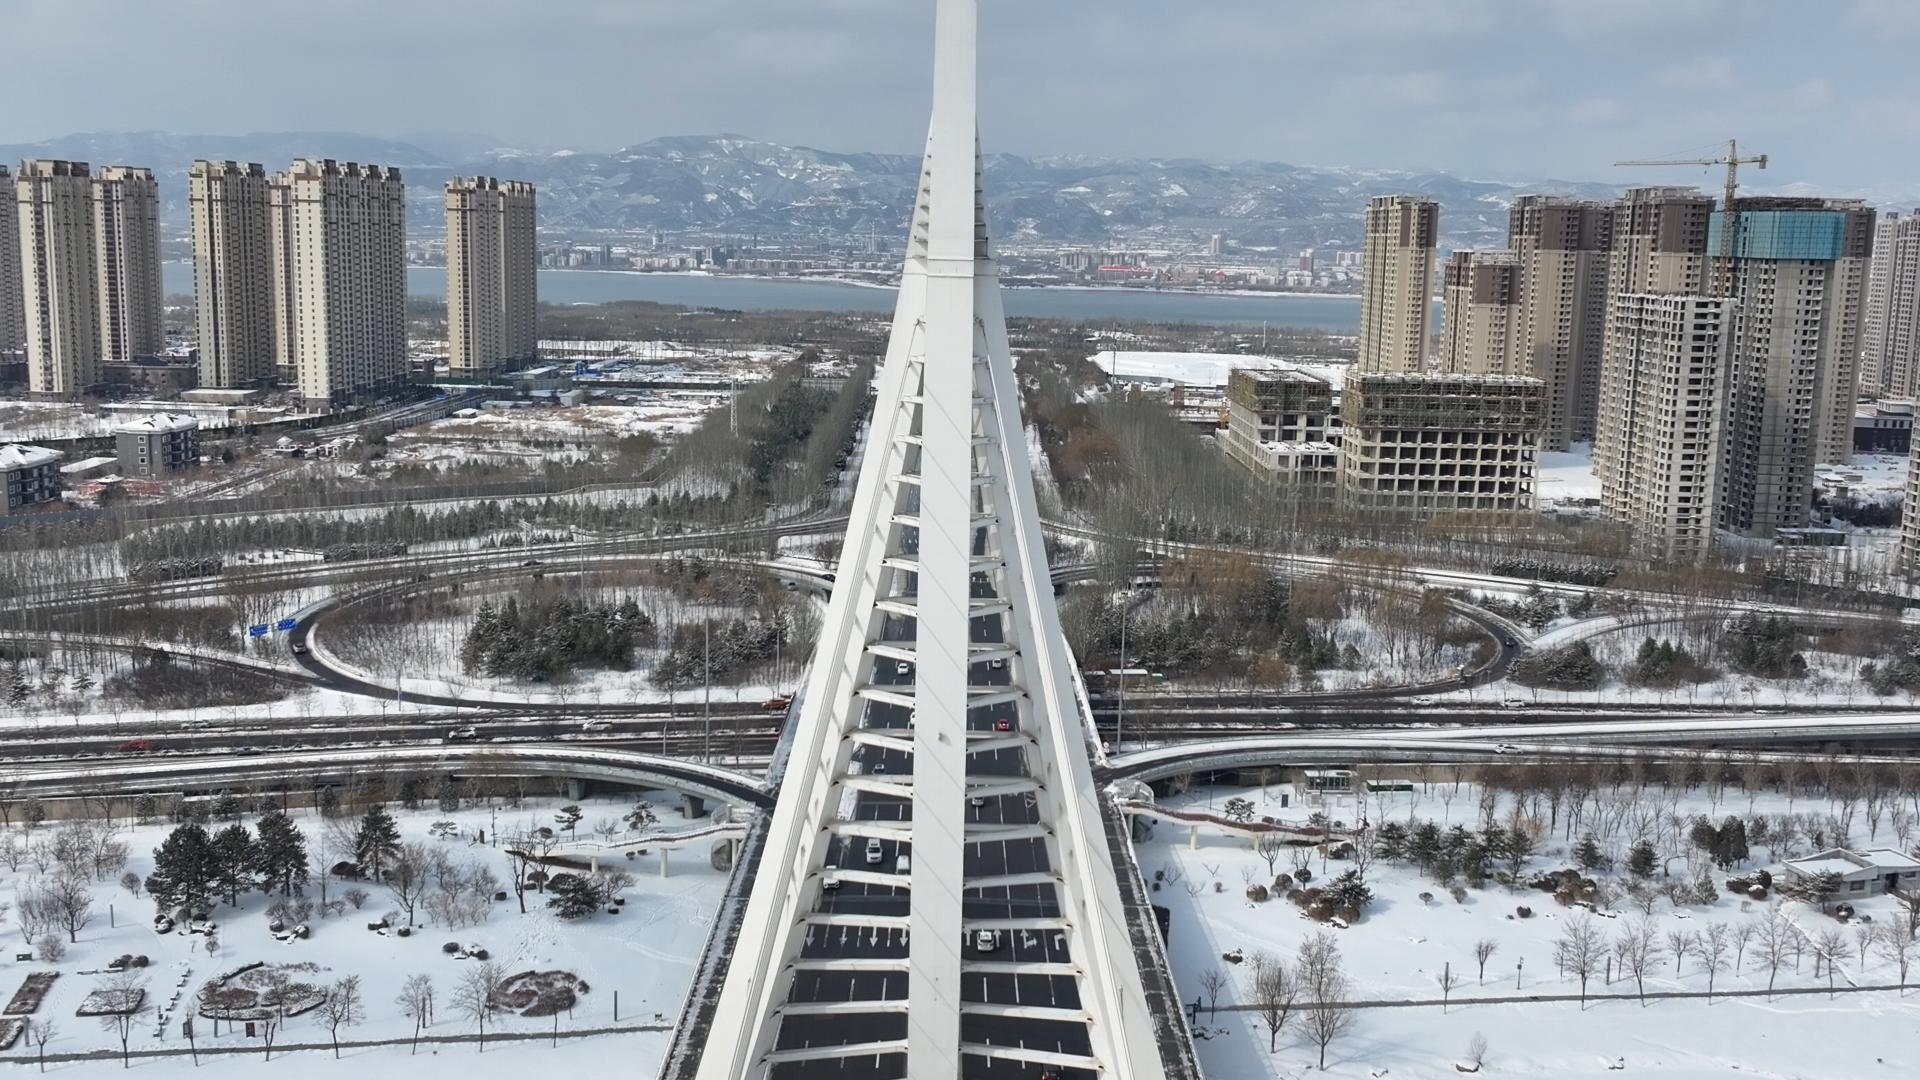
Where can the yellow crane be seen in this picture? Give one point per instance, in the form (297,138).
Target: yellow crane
(1732,160)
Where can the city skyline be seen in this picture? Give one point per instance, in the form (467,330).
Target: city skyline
(1383,85)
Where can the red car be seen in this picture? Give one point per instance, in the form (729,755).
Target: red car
(1003,725)
(135,746)
(778,704)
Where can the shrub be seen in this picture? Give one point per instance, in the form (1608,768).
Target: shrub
(1303,875)
(1523,911)
(450,948)
(1459,894)
(1257,893)
(356,896)
(1349,915)
(1757,892)
(1426,898)
(1283,884)
(51,948)
(1320,910)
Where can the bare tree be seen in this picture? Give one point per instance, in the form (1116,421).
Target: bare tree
(343,1008)
(1483,951)
(406,877)
(69,903)
(1831,946)
(1637,947)
(1896,946)
(1477,1051)
(125,995)
(1275,992)
(1580,950)
(1325,986)
(1269,846)
(40,1033)
(416,1004)
(473,996)
(1742,937)
(1771,933)
(1447,980)
(1680,944)
(1212,981)
(1711,947)
(278,989)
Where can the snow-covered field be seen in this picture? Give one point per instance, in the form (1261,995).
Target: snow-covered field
(647,954)
(1203,369)
(1400,948)
(1567,477)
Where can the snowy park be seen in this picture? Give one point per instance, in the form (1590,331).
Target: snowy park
(407,961)
(1489,904)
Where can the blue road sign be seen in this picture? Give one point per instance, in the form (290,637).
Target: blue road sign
(258,631)
(286,624)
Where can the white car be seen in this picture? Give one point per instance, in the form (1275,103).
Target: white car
(874,854)
(1514,703)
(1506,748)
(997,663)
(597,725)
(462,734)
(1422,701)
(985,940)
(902,668)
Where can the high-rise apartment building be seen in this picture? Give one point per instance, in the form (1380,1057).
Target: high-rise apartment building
(1659,241)
(59,276)
(1480,314)
(1426,444)
(340,292)
(1561,249)
(1396,283)
(1660,427)
(491,298)
(13,308)
(126,229)
(232,272)
(1890,328)
(1799,272)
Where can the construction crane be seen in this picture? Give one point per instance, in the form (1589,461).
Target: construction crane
(1732,160)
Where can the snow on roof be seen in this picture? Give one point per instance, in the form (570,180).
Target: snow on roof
(159,423)
(1843,862)
(87,464)
(21,456)
(1203,369)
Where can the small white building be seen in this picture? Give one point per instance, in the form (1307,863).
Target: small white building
(1862,873)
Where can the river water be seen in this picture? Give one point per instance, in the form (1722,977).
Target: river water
(1335,314)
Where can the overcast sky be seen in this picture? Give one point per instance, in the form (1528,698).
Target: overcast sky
(1512,88)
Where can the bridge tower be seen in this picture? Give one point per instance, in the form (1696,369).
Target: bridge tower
(937,897)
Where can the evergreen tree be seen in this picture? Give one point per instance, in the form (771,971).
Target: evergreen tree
(1730,843)
(282,854)
(184,871)
(1587,853)
(573,896)
(376,843)
(1349,889)
(1423,846)
(234,859)
(1642,860)
(1390,842)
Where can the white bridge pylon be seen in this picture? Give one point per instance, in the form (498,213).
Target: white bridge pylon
(936,898)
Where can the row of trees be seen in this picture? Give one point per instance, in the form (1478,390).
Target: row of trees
(546,639)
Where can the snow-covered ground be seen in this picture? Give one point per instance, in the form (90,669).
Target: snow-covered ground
(647,953)
(1866,477)
(1567,477)
(1203,369)
(1403,944)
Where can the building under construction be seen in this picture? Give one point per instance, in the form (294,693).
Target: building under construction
(1420,445)
(1279,425)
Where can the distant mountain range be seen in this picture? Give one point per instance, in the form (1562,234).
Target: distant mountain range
(729,186)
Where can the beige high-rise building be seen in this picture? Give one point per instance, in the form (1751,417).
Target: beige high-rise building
(1798,285)
(59,276)
(281,279)
(491,292)
(1660,427)
(1659,241)
(1426,444)
(126,229)
(1561,249)
(341,285)
(13,307)
(1480,316)
(1396,283)
(1890,328)
(232,272)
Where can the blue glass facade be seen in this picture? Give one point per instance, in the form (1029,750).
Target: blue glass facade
(1782,234)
